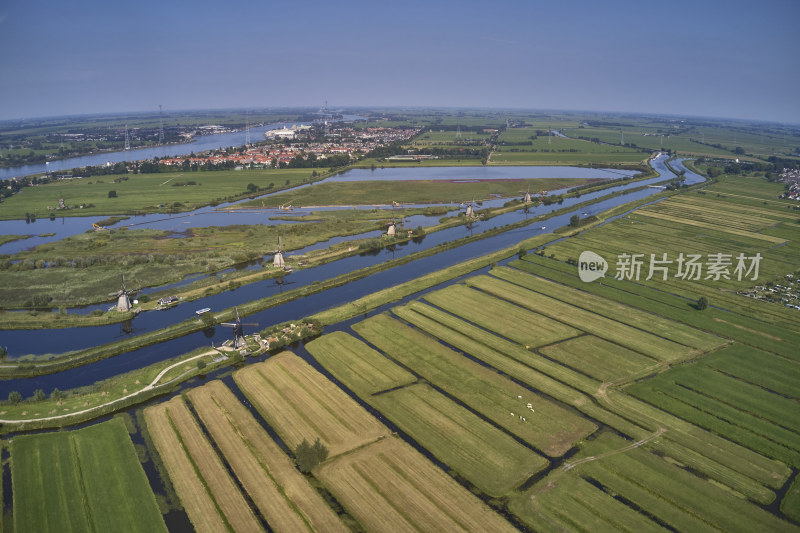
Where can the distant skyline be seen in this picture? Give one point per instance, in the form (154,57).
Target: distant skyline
(714,58)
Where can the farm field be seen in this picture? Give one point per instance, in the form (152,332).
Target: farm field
(671,496)
(281,493)
(381,192)
(390,487)
(483,454)
(89,479)
(486,456)
(552,429)
(144,192)
(209,495)
(300,403)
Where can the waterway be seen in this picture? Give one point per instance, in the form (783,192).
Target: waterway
(61,340)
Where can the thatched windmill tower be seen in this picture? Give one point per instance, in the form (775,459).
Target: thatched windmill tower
(527,198)
(123,302)
(277,260)
(238,332)
(391,231)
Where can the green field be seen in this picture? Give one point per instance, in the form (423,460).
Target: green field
(669,494)
(551,428)
(89,479)
(144,192)
(486,456)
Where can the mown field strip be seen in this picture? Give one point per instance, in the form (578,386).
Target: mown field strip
(485,311)
(390,487)
(635,339)
(717,204)
(599,358)
(755,433)
(486,456)
(781,411)
(551,428)
(358,366)
(279,490)
(663,327)
(84,480)
(570,503)
(713,225)
(780,335)
(300,403)
(678,490)
(211,498)
(757,467)
(766,370)
(552,379)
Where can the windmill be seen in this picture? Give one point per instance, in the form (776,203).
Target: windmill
(238,331)
(286,207)
(391,229)
(277,260)
(470,212)
(527,198)
(123,301)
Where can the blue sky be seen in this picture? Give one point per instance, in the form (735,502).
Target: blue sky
(711,58)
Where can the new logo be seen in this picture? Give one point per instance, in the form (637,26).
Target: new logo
(591,266)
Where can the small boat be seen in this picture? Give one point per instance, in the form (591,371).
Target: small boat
(203,310)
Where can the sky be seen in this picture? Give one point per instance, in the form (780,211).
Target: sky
(709,58)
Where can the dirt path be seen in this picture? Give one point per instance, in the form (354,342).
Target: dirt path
(146,388)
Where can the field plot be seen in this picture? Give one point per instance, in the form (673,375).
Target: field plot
(598,358)
(210,496)
(520,325)
(760,420)
(669,494)
(88,479)
(486,456)
(390,487)
(281,493)
(358,366)
(551,428)
(635,339)
(300,403)
(669,329)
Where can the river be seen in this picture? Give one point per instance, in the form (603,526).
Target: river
(61,340)
(201,143)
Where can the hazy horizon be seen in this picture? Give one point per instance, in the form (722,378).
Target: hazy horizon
(715,59)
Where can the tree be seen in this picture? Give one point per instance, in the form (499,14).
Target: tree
(702,303)
(14,397)
(307,456)
(57,394)
(38,395)
(112,194)
(574,221)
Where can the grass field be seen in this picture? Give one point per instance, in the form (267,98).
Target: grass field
(281,493)
(484,310)
(486,456)
(355,364)
(144,192)
(209,495)
(552,429)
(390,487)
(577,498)
(417,191)
(300,403)
(89,479)
(612,330)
